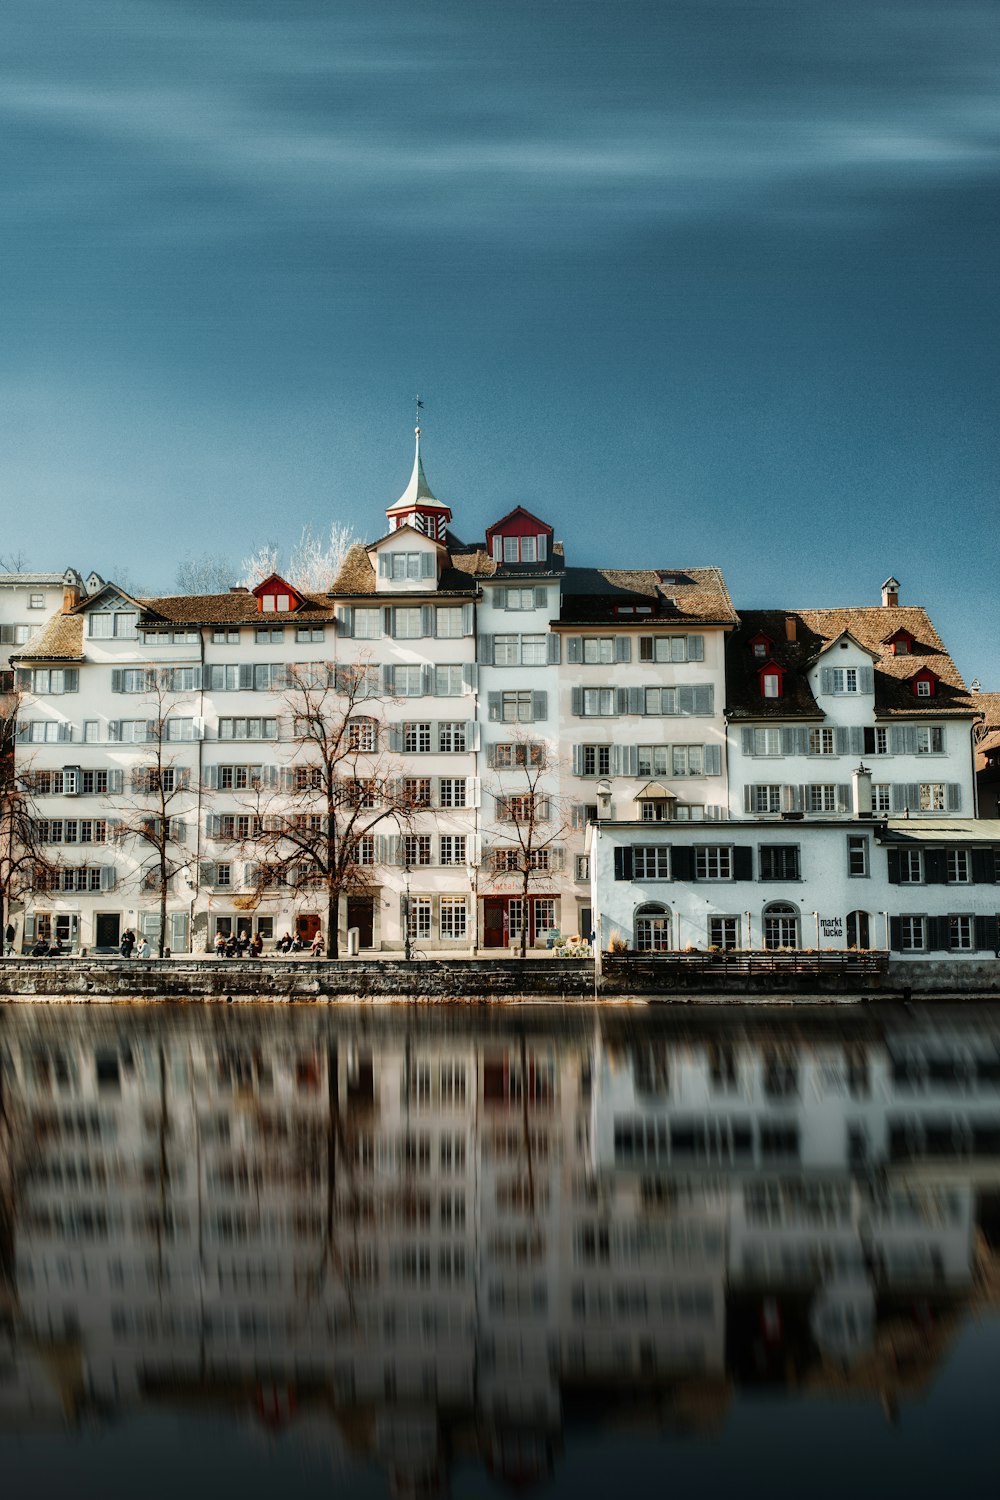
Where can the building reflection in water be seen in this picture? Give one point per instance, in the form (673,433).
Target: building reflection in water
(414,1242)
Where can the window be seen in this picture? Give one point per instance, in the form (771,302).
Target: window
(368,624)
(932,796)
(651,862)
(453,923)
(416,737)
(766,742)
(925,688)
(248,729)
(881,797)
(781,926)
(533,649)
(416,848)
(765,799)
(448,682)
(449,623)
(451,791)
(672,648)
(599,649)
(724,932)
(713,862)
(779,862)
(506,860)
(844,679)
(132,680)
(227,637)
(239,778)
(531,753)
(525,808)
(960,933)
(419,923)
(517,708)
(269,635)
(506,652)
(581,867)
(408,681)
(876,740)
(821,742)
(119,624)
(362,736)
(525,599)
(514,549)
(822,798)
(910,867)
(364,850)
(595,760)
(221,678)
(417,791)
(599,702)
(403,566)
(453,848)
(452,737)
(305,634)
(771,684)
(652,929)
(128,731)
(929,739)
(857,856)
(36,601)
(957,865)
(654,810)
(179,729)
(911,934)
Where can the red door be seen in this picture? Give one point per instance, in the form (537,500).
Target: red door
(495,922)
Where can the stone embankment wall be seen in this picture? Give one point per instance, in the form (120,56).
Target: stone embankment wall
(98,979)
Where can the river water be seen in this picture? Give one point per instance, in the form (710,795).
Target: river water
(419,1251)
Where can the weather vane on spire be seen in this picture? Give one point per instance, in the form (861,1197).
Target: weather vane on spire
(420,407)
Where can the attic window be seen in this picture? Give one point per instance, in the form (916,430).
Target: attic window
(901,647)
(513,549)
(770,684)
(760,649)
(924,687)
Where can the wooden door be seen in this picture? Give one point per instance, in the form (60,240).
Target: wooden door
(107,929)
(494,921)
(361,914)
(307,926)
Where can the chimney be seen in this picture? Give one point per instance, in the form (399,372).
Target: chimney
(71,596)
(890,593)
(861,785)
(238,588)
(790,626)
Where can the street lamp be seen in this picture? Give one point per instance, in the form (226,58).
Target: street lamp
(407,937)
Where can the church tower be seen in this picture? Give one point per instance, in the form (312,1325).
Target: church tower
(417,506)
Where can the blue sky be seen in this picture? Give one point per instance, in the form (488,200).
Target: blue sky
(703,282)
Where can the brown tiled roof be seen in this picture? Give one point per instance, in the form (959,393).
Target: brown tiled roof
(591,595)
(233,608)
(60,639)
(816,629)
(357,576)
(988,729)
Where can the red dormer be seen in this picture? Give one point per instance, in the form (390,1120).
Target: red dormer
(519,537)
(772,680)
(925,683)
(761,646)
(276,597)
(901,643)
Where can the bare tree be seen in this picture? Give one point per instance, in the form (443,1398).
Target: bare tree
(319,831)
(527,839)
(12,562)
(211,574)
(150,815)
(24,865)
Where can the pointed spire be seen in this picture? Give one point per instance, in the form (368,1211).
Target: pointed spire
(418,493)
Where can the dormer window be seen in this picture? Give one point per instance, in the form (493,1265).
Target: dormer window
(519,537)
(772,680)
(901,644)
(925,688)
(760,646)
(275,596)
(924,683)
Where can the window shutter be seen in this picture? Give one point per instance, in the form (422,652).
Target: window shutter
(983,866)
(539,707)
(826,680)
(747,741)
(635,700)
(574,648)
(541,598)
(615,755)
(345,619)
(843,798)
(623,648)
(178,830)
(212,778)
(117,677)
(986,933)
(472,735)
(211,825)
(748,798)
(954,796)
(383,565)
(71,680)
(426,619)
(500,598)
(427,683)
(553,649)
(623,864)
(542,812)
(865,680)
(388,679)
(495,706)
(427,567)
(577,760)
(713,760)
(65,731)
(621,700)
(469,677)
(473,791)
(395,738)
(116,780)
(393,849)
(743,862)
(484,650)
(841,740)
(468,619)
(108,877)
(856,739)
(938,934)
(576,700)
(24,679)
(704,698)
(251,873)
(502,809)
(896,932)
(29,927)
(152,729)
(682,862)
(208,872)
(696,648)
(246,675)
(281,677)
(935,871)
(895,739)
(892,862)
(685,700)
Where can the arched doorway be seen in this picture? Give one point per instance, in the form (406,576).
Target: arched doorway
(652,928)
(781,925)
(859,929)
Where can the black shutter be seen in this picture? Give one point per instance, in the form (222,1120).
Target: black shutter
(896,924)
(938,934)
(743,862)
(623,864)
(892,856)
(986,933)
(682,861)
(935,867)
(984,868)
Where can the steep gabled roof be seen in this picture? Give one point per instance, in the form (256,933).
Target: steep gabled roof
(357,576)
(60,639)
(692,595)
(870,627)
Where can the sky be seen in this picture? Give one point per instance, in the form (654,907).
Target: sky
(698,281)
